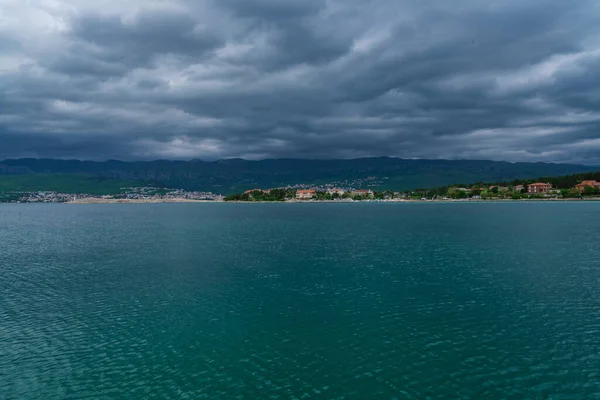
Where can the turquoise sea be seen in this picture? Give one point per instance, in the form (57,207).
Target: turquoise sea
(300,301)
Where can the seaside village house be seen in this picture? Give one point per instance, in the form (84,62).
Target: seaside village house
(539,187)
(337,191)
(305,194)
(518,188)
(593,184)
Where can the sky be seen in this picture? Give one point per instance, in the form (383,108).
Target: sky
(182,79)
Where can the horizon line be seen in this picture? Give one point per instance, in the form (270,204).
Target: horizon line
(289,159)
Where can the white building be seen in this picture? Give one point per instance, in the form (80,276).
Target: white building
(305,194)
(337,191)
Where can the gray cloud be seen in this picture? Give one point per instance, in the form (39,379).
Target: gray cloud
(516,81)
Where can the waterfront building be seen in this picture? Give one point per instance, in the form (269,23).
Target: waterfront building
(539,187)
(593,184)
(336,191)
(305,194)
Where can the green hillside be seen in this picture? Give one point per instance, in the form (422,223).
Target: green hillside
(236,175)
(64,183)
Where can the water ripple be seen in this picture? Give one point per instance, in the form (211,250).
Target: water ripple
(278,302)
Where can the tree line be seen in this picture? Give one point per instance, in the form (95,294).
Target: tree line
(564,183)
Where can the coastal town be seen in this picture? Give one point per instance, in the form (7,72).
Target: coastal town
(586,189)
(536,190)
(144,194)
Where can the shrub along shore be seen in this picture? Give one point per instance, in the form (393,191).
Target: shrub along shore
(562,187)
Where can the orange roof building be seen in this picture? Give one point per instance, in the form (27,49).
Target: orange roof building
(593,184)
(539,187)
(305,194)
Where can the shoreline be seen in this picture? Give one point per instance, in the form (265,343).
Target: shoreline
(160,201)
(97,200)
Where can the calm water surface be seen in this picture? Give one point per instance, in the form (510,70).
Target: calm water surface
(300,301)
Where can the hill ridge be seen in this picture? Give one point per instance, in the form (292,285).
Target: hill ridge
(235,175)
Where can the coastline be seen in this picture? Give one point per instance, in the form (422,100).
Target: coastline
(594,199)
(97,200)
(158,201)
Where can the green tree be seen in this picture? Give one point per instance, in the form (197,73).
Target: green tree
(238,197)
(456,193)
(568,193)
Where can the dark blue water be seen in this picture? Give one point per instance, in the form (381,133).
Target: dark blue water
(292,301)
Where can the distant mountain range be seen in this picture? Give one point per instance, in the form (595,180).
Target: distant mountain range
(236,175)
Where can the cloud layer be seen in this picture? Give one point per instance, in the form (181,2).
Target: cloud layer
(510,80)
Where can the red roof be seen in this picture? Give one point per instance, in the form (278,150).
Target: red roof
(540,184)
(589,183)
(309,191)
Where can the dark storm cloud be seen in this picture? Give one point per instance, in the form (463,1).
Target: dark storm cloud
(273,10)
(106,46)
(511,80)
